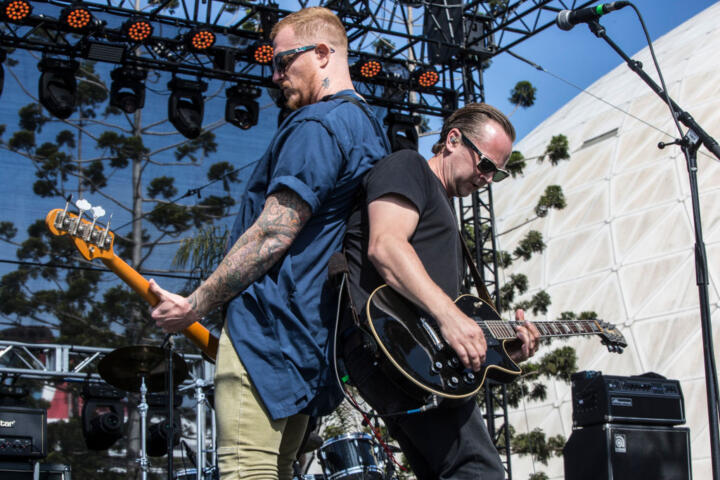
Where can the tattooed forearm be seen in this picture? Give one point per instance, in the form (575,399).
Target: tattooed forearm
(258,249)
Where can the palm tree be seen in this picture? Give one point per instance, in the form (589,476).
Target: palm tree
(522,95)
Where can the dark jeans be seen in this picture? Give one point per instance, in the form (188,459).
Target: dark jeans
(447,442)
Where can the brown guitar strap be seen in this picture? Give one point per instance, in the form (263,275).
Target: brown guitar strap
(477,279)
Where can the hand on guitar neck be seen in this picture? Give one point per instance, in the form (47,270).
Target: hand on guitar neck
(527,341)
(96,242)
(173,312)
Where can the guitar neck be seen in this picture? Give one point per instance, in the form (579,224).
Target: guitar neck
(196,333)
(562,328)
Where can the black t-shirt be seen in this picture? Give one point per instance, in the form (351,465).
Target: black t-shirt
(436,240)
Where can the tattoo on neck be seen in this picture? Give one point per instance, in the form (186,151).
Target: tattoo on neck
(326,82)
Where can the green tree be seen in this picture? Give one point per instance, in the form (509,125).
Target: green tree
(535,444)
(556,150)
(522,95)
(516,164)
(53,287)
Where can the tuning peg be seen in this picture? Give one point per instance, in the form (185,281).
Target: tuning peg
(82,206)
(97,212)
(101,243)
(61,218)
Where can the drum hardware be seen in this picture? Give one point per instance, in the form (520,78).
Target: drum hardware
(353,456)
(145,368)
(210,473)
(124,367)
(198,458)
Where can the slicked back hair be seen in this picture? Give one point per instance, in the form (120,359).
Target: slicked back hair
(470,120)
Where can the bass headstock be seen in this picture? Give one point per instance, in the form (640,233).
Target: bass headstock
(91,239)
(611,337)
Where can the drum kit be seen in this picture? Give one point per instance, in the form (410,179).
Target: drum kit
(354,456)
(148,369)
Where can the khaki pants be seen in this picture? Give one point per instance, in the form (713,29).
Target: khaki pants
(250,444)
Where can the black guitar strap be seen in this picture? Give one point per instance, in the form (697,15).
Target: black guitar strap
(477,279)
(337,271)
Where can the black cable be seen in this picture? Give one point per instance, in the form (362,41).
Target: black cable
(190,192)
(92,269)
(668,101)
(657,68)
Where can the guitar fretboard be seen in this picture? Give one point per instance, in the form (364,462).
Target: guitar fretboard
(563,328)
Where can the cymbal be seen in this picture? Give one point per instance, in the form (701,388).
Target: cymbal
(124,368)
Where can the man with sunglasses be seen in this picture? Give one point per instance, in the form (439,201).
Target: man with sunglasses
(272,367)
(405,235)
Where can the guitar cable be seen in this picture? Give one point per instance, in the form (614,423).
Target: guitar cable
(342,381)
(433,403)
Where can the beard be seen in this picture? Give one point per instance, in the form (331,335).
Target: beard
(292,98)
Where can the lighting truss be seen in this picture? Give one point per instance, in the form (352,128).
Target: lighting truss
(388,31)
(391,32)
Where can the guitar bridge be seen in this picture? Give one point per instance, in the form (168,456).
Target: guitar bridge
(438,343)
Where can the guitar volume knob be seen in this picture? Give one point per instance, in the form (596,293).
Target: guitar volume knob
(469,377)
(436,367)
(453,362)
(453,382)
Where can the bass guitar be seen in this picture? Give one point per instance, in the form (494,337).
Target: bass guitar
(423,363)
(94,241)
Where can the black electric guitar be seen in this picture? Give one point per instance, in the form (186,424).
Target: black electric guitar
(411,341)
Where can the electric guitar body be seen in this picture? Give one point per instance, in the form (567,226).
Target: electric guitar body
(413,347)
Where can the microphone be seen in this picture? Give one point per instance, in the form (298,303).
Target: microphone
(567,19)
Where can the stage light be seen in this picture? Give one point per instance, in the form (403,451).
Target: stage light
(402,131)
(186,106)
(102,416)
(200,39)
(127,91)
(16,10)
(57,87)
(262,53)
(157,435)
(426,77)
(242,109)
(368,68)
(76,17)
(137,29)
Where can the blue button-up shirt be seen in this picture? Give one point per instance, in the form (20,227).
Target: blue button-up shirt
(280,324)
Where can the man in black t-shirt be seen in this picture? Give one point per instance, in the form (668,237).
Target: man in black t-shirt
(405,235)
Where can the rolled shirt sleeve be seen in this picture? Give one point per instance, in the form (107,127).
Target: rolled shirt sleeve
(307,163)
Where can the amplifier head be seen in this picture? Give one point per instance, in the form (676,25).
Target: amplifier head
(23,432)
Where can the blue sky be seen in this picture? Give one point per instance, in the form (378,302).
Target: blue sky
(579,57)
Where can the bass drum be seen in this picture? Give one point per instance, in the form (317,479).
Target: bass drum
(352,456)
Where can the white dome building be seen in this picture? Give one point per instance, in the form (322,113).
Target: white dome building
(624,245)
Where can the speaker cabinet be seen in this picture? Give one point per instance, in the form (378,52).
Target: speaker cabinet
(627,452)
(24,471)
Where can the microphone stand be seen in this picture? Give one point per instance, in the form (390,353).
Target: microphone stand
(691,141)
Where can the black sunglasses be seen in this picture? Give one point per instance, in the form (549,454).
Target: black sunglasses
(282,60)
(485,165)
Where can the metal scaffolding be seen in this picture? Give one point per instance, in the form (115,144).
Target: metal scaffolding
(458,40)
